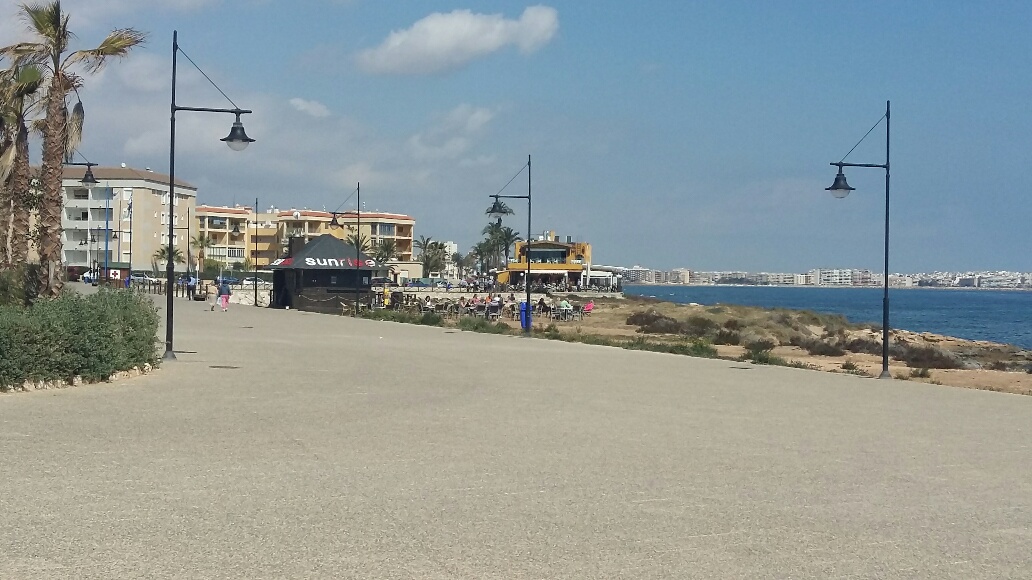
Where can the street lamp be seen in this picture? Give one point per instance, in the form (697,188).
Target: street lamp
(237,141)
(358,236)
(89,182)
(526,328)
(840,189)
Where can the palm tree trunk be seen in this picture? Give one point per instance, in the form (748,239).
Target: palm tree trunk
(51,276)
(19,192)
(5,222)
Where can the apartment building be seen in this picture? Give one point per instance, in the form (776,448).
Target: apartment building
(263,236)
(375,226)
(227,230)
(123,220)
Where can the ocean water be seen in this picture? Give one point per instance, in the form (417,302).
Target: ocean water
(996,315)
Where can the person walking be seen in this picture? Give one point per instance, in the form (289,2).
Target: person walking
(191,287)
(224,294)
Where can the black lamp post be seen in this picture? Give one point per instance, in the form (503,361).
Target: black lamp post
(89,182)
(237,141)
(358,237)
(841,189)
(527,197)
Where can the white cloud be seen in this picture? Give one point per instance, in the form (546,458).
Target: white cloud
(445,42)
(450,138)
(313,108)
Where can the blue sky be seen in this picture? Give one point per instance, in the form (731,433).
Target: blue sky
(667,133)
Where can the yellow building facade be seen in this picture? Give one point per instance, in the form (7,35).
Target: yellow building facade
(552,261)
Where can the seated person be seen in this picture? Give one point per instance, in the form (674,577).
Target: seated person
(564,305)
(541,306)
(589,306)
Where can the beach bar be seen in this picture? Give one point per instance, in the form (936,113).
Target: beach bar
(323,275)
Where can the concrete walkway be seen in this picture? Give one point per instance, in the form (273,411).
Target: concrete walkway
(293,445)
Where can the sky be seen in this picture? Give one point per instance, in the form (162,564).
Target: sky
(670,134)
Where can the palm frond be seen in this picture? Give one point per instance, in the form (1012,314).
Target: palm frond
(73,133)
(117,44)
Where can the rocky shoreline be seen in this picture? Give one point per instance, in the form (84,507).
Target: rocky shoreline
(811,340)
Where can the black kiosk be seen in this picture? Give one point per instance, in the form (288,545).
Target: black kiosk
(323,276)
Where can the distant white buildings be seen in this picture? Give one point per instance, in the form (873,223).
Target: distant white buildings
(829,277)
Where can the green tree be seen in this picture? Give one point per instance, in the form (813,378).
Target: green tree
(161,255)
(360,241)
(201,243)
(507,238)
(19,86)
(49,51)
(385,251)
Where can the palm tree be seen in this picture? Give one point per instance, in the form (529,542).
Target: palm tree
(161,255)
(50,24)
(18,86)
(507,237)
(482,252)
(201,243)
(360,241)
(385,251)
(423,243)
(460,263)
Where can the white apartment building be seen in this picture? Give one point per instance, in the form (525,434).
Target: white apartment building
(833,277)
(123,220)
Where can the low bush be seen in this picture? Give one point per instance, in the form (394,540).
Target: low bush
(73,335)
(727,336)
(474,324)
(849,366)
(920,373)
(863,346)
(818,347)
(430,319)
(699,326)
(930,357)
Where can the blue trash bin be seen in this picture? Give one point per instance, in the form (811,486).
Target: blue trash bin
(524,315)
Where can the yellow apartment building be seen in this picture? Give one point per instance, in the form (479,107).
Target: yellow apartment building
(375,226)
(264,236)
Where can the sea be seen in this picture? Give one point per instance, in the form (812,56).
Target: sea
(997,315)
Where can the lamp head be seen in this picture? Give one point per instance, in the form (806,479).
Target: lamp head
(840,188)
(88,179)
(236,229)
(237,138)
(334,223)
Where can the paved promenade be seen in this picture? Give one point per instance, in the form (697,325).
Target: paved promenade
(292,445)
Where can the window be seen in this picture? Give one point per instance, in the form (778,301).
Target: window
(164,198)
(387,229)
(235,252)
(80,194)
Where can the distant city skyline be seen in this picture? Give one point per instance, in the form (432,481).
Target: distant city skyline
(662,132)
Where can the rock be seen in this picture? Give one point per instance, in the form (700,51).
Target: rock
(76,381)
(147,368)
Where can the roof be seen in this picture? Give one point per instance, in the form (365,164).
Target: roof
(121,173)
(222,209)
(326,252)
(345,214)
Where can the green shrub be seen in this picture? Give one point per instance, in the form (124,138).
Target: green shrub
(727,336)
(430,319)
(474,324)
(849,366)
(697,348)
(817,347)
(929,357)
(73,335)
(699,326)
